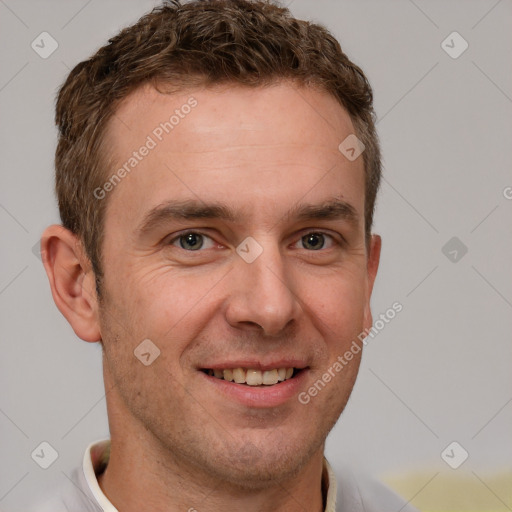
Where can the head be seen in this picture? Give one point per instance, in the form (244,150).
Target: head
(206,207)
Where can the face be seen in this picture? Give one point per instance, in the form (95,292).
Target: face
(237,246)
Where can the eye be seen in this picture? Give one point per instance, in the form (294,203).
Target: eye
(316,241)
(192,241)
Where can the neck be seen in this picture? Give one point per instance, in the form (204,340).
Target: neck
(143,475)
(133,487)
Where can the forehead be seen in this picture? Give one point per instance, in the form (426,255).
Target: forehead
(231,143)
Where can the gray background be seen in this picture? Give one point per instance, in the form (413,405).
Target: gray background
(439,372)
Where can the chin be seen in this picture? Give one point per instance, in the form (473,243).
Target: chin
(258,465)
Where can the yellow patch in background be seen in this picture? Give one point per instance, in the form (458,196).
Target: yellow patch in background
(461,492)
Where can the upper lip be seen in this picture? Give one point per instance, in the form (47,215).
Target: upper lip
(256,364)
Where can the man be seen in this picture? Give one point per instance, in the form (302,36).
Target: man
(216,172)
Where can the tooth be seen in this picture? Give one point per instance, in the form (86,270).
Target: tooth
(254,377)
(239,375)
(218,374)
(289,372)
(281,374)
(228,375)
(270,377)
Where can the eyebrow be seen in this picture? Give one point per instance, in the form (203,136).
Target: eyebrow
(332,209)
(185,210)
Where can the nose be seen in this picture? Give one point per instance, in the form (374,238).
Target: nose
(262,295)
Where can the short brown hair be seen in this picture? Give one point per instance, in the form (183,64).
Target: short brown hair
(201,43)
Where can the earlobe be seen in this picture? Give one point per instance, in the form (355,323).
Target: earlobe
(72,281)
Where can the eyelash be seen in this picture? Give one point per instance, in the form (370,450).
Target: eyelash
(323,233)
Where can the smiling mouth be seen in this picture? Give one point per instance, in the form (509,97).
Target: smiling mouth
(253,377)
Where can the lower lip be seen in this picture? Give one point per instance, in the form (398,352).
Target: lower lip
(261,397)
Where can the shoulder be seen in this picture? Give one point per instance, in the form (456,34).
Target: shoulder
(71,495)
(360,492)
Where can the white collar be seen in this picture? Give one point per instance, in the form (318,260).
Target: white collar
(92,467)
(90,472)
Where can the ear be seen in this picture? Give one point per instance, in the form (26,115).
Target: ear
(72,281)
(372,267)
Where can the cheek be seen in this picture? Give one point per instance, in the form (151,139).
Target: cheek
(338,304)
(167,306)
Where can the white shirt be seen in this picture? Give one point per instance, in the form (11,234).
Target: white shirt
(83,493)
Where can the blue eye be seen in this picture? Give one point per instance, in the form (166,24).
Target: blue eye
(191,241)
